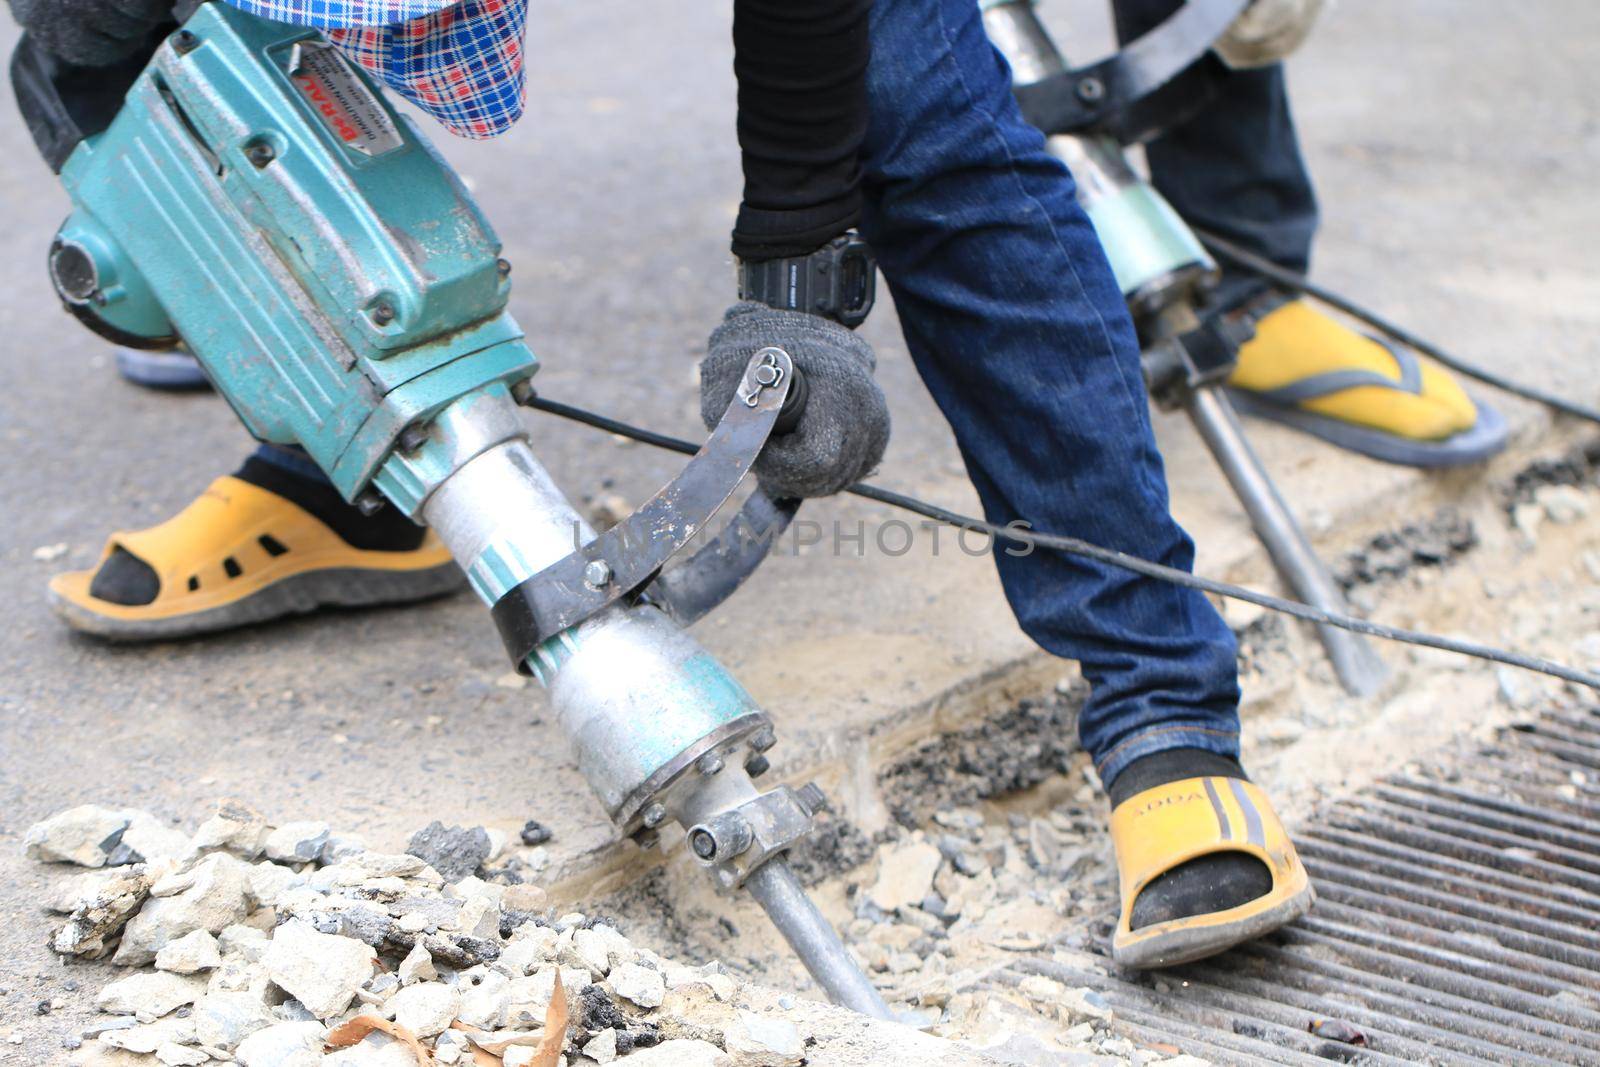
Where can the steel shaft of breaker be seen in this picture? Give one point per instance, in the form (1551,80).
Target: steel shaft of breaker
(637,698)
(813,939)
(632,692)
(1360,670)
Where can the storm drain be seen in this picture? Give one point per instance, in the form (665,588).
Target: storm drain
(1458,922)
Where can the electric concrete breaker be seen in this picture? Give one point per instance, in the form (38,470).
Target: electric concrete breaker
(1088,114)
(255,197)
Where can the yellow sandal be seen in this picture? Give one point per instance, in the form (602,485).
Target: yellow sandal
(1162,828)
(240,554)
(1306,370)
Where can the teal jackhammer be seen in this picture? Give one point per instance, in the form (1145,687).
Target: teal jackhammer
(254,196)
(1088,114)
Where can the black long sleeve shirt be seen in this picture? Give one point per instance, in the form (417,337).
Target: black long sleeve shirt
(801,67)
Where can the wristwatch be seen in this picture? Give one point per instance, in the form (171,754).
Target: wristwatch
(838,281)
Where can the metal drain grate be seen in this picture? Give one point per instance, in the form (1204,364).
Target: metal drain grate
(1458,922)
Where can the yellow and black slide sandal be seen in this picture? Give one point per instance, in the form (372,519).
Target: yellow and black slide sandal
(1160,829)
(1308,371)
(238,555)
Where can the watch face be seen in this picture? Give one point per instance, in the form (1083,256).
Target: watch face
(855,281)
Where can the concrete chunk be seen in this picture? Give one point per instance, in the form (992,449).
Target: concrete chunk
(322,971)
(194,951)
(85,835)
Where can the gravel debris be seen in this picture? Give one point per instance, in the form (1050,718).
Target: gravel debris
(455,852)
(210,895)
(193,952)
(85,835)
(297,842)
(249,944)
(149,995)
(322,971)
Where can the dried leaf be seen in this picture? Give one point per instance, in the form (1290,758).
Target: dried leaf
(486,1043)
(487,1053)
(555,1027)
(362,1025)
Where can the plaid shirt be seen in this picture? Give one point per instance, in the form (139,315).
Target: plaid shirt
(459,60)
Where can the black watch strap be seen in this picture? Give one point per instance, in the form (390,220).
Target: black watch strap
(838,281)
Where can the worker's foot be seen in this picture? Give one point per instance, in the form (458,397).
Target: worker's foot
(169,370)
(259,545)
(1202,859)
(1311,372)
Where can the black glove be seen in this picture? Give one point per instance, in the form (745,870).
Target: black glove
(844,427)
(91,33)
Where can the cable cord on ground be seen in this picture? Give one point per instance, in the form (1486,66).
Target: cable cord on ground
(1242,257)
(1088,550)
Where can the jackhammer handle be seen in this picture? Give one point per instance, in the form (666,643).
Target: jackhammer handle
(690,590)
(794,405)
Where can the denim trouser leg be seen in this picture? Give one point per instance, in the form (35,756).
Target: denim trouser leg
(1235,168)
(1017,327)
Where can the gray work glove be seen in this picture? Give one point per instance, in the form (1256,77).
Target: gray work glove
(91,33)
(844,428)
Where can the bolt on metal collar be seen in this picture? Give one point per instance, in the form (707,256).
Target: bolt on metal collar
(723,838)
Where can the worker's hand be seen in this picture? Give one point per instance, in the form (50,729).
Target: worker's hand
(91,33)
(1267,31)
(844,427)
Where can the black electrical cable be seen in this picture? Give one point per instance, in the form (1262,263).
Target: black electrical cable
(1225,249)
(1075,546)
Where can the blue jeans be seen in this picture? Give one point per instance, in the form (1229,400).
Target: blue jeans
(1235,168)
(1017,327)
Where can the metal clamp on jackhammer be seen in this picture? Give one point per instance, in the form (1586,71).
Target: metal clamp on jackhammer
(627,557)
(1088,114)
(1164,76)
(1200,357)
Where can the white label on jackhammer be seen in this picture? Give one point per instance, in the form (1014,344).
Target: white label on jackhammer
(337,95)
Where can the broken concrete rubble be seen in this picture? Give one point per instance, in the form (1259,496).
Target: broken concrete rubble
(455,852)
(639,985)
(85,835)
(905,875)
(322,971)
(210,895)
(257,960)
(426,1009)
(149,996)
(194,951)
(235,827)
(223,1019)
(755,1041)
(297,842)
(105,905)
(147,839)
(282,1045)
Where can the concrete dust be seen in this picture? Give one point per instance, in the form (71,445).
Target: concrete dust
(1017,819)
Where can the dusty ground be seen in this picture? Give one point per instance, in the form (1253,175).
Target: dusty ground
(1020,824)
(1456,172)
